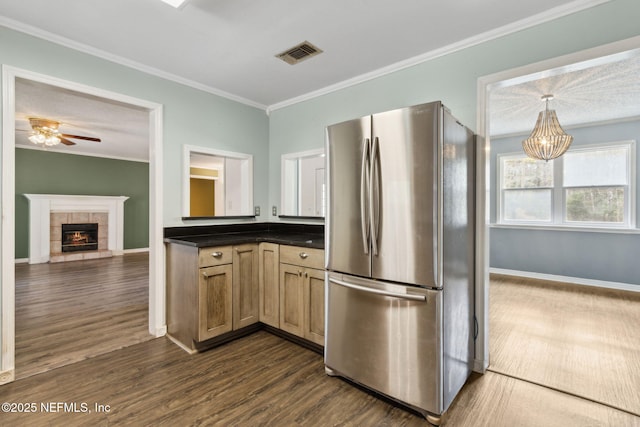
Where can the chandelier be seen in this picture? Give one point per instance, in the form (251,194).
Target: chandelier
(45,133)
(547,140)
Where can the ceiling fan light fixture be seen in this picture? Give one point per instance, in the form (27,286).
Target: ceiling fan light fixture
(547,140)
(48,140)
(51,140)
(45,132)
(45,135)
(37,138)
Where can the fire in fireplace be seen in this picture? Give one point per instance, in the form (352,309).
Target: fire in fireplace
(79,237)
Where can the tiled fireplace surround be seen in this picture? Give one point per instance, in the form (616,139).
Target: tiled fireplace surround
(47,213)
(55,242)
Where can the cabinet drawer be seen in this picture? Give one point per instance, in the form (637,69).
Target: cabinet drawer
(220,255)
(306,257)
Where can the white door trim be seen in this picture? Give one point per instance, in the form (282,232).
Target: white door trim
(157,319)
(558,65)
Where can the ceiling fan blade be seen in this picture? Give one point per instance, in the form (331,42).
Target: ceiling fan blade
(65,141)
(86,138)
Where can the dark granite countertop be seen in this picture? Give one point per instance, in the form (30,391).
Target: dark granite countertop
(310,236)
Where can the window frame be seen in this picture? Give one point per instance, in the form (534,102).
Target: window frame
(558,208)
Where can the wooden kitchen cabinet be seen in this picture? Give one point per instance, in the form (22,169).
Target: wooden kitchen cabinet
(291,299)
(246,295)
(215,301)
(213,292)
(302,292)
(268,280)
(313,289)
(210,291)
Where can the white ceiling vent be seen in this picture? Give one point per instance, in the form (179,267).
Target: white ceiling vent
(299,53)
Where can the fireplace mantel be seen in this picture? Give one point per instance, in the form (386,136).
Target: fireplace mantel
(42,205)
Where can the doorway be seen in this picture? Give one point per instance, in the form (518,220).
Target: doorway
(529,290)
(156,317)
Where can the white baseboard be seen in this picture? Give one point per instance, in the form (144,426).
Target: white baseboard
(7,376)
(566,279)
(136,250)
(159,332)
(22,260)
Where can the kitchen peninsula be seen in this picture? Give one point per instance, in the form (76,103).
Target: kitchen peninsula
(227,281)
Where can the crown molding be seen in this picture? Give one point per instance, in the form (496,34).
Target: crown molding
(513,27)
(81,47)
(549,15)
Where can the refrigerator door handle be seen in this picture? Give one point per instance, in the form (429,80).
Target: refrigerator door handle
(365,179)
(379,291)
(374,195)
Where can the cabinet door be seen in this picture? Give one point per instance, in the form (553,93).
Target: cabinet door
(268,278)
(314,305)
(214,301)
(291,299)
(246,295)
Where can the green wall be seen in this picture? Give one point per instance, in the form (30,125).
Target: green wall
(46,172)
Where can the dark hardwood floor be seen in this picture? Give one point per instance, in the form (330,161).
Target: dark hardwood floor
(264,380)
(70,311)
(257,380)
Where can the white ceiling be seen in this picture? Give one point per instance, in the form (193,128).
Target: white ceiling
(122,128)
(228,47)
(603,90)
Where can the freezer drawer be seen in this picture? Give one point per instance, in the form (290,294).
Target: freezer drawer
(386,337)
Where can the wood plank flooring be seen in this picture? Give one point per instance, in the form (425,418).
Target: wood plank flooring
(67,312)
(578,339)
(264,380)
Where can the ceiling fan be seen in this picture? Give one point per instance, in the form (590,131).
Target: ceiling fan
(45,132)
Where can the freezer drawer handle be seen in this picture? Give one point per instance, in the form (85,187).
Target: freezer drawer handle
(379,291)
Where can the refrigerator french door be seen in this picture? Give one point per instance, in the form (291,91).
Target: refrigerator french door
(390,155)
(399,248)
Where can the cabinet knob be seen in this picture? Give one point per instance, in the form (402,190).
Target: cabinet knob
(204,273)
(216,254)
(303,255)
(306,274)
(299,273)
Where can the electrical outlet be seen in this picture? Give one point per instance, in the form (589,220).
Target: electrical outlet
(256,210)
(274,211)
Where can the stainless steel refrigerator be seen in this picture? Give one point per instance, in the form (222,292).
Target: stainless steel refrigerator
(400,255)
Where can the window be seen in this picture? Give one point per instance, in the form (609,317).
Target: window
(588,186)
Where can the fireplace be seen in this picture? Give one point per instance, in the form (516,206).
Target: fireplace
(79,237)
(47,213)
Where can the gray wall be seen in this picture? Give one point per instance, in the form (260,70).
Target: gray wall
(609,256)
